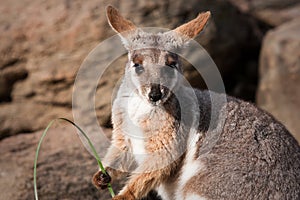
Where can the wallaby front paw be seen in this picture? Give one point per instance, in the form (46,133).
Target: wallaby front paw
(101,180)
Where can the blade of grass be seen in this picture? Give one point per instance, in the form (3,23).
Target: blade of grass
(90,144)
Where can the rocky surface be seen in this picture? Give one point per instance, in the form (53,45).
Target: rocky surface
(279,72)
(272,12)
(44,43)
(65,167)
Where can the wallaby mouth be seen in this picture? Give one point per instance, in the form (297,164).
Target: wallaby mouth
(157,94)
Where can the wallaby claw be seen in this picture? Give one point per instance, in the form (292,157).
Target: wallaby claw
(101,180)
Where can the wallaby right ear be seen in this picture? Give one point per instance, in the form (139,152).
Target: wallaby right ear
(117,22)
(192,28)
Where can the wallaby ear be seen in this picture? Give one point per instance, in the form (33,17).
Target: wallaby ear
(192,28)
(117,22)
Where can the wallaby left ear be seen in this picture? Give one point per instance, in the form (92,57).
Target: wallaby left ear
(117,21)
(192,28)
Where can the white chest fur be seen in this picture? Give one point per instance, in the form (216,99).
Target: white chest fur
(136,109)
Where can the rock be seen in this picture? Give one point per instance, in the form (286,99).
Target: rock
(64,166)
(64,171)
(50,48)
(271,12)
(26,116)
(9,75)
(279,72)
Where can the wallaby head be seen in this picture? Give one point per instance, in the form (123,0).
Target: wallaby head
(152,68)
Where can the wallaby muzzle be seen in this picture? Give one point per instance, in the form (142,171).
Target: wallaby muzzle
(155,93)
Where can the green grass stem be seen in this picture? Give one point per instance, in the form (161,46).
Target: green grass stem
(89,142)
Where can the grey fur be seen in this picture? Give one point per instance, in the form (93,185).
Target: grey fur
(255,156)
(138,39)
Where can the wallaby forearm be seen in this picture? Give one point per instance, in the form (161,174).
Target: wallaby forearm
(114,165)
(117,159)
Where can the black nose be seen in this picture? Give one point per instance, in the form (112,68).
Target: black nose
(155,93)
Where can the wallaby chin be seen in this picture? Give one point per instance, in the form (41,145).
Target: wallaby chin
(169,138)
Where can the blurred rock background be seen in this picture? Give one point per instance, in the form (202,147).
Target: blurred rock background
(255,44)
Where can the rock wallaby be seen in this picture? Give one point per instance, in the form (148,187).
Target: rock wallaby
(170,137)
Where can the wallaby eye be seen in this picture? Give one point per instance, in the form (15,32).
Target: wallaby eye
(172,64)
(138,68)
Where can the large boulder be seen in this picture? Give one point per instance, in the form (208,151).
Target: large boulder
(271,12)
(279,71)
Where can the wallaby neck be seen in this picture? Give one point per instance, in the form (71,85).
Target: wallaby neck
(186,106)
